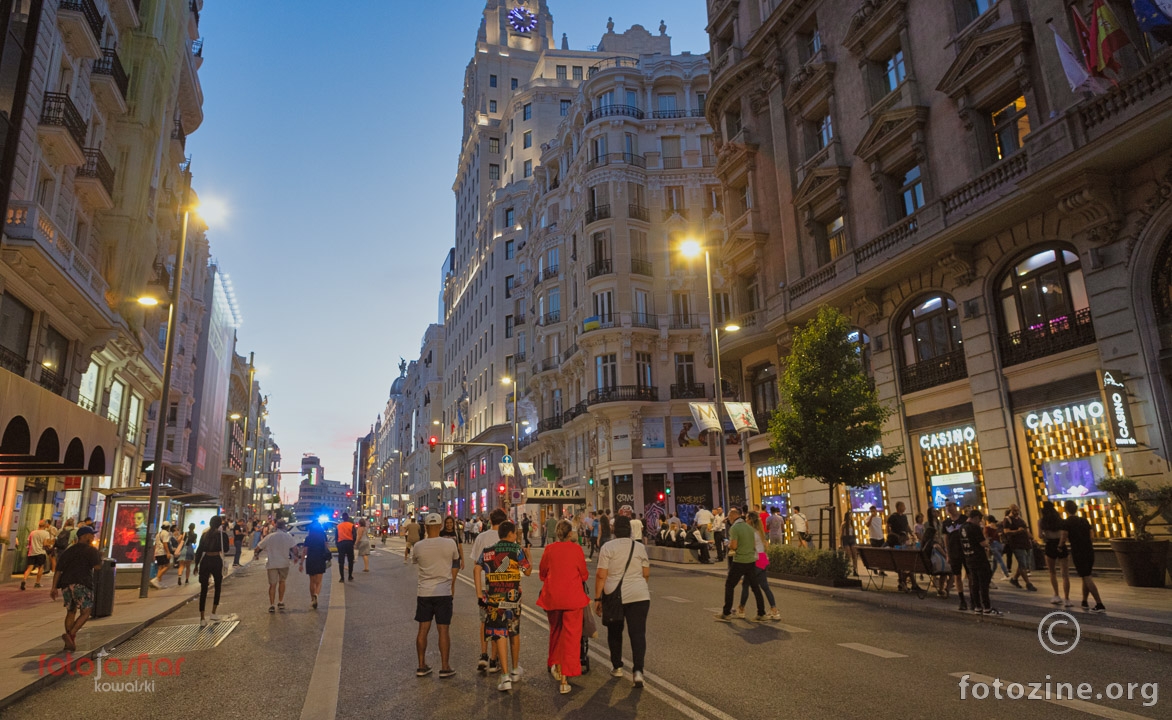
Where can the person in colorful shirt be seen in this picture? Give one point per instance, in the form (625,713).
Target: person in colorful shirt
(497,575)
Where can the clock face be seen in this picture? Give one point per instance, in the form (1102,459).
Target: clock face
(522,20)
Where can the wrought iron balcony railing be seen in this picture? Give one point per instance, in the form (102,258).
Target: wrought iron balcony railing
(623,393)
(936,371)
(1059,335)
(688,391)
(60,110)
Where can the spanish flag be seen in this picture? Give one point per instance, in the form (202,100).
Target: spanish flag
(1108,38)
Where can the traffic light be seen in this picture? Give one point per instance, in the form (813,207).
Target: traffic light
(591,482)
(349,493)
(432,442)
(500,489)
(661,497)
(667,489)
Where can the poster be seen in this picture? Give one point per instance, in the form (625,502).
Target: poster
(198,516)
(128,541)
(653,438)
(685,432)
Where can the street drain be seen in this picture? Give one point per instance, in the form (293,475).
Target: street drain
(175,639)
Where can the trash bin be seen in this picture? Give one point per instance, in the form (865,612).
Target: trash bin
(104,588)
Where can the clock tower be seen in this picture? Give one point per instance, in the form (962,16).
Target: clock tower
(519,24)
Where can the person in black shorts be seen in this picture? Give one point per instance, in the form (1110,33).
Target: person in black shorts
(1082,552)
(1053,529)
(952,526)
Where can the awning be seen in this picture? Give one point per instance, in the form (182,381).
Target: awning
(45,435)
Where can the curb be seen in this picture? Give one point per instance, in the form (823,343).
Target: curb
(45,680)
(1128,638)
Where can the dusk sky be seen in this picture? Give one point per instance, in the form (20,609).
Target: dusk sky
(325,164)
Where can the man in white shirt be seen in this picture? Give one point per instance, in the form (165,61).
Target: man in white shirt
(875,527)
(162,554)
(36,556)
(439,562)
(279,544)
(484,541)
(801,527)
(703,522)
(718,528)
(637,528)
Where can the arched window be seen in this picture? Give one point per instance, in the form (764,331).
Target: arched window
(764,383)
(863,344)
(1044,307)
(932,344)
(1162,284)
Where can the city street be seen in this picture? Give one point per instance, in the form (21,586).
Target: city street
(827,658)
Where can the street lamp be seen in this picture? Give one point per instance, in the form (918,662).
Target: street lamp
(516,436)
(692,249)
(159,470)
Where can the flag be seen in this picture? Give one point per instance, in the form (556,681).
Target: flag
(1153,20)
(1076,73)
(742,416)
(506,469)
(1109,37)
(1085,44)
(706,416)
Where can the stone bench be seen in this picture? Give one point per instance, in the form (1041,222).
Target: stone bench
(672,554)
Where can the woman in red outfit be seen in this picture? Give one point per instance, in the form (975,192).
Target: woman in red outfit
(563,572)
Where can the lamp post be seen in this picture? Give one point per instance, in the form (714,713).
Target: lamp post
(159,471)
(692,249)
(516,438)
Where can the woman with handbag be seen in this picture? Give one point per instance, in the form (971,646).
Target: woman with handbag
(314,559)
(621,597)
(754,521)
(563,572)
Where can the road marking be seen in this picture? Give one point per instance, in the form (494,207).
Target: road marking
(321,697)
(877,652)
(675,599)
(653,680)
(791,629)
(716,611)
(1080,705)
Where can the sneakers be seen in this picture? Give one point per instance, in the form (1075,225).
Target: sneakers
(1030,586)
(993,611)
(517,673)
(1085,605)
(272,609)
(616,672)
(215,617)
(1055,600)
(761,618)
(281,606)
(723,618)
(1067,603)
(638,678)
(155,584)
(505,684)
(423,671)
(36,585)
(482,663)
(775,616)
(445,674)
(203,623)
(1099,608)
(740,614)
(494,666)
(1014,582)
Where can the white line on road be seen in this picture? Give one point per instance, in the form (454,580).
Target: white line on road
(321,697)
(791,629)
(877,652)
(1080,705)
(675,599)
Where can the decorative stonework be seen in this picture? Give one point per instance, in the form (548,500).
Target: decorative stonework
(1091,203)
(959,263)
(1161,195)
(868,306)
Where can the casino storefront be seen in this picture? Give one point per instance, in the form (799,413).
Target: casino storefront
(946,460)
(769,486)
(1068,446)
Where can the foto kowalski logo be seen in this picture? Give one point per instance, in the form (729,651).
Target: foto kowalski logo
(111,674)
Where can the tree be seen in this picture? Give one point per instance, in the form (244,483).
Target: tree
(829,418)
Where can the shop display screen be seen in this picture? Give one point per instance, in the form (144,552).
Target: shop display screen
(781,502)
(960,488)
(862,498)
(1077,478)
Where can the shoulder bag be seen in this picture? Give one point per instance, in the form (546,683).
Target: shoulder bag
(612,602)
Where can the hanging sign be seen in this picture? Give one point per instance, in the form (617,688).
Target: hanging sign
(742,416)
(1118,408)
(554,494)
(705,415)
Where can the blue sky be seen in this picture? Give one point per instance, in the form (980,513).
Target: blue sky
(326,160)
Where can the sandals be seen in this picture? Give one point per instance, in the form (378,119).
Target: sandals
(445,674)
(423,671)
(557,673)
(564,688)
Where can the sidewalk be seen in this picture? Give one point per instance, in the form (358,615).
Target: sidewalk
(1138,617)
(31,625)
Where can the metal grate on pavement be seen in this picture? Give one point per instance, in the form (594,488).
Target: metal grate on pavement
(175,639)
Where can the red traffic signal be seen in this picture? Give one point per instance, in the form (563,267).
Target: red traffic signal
(501,488)
(349,493)
(432,442)
(378,513)
(661,497)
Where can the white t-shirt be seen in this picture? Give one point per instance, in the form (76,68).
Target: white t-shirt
(799,521)
(484,541)
(875,527)
(613,558)
(277,544)
(703,517)
(36,542)
(162,541)
(636,529)
(718,523)
(435,557)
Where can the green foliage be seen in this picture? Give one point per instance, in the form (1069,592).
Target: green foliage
(1140,505)
(803,562)
(829,412)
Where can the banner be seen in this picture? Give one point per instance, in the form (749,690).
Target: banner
(527,470)
(506,469)
(742,417)
(706,416)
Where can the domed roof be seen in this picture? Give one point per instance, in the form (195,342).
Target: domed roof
(398,386)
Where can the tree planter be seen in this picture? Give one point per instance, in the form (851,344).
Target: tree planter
(826,582)
(1144,562)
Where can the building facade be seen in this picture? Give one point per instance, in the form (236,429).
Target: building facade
(1001,243)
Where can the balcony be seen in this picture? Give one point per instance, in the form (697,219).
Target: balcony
(190,90)
(1057,336)
(605,111)
(573,413)
(569,352)
(52,381)
(675,114)
(645,320)
(892,241)
(81,27)
(193,23)
(936,371)
(599,322)
(110,81)
(708,161)
(550,423)
(62,129)
(669,213)
(612,63)
(178,141)
(518,320)
(688,391)
(95,181)
(550,318)
(37,248)
(126,12)
(596,213)
(685,322)
(549,273)
(549,364)
(13,362)
(602,267)
(641,266)
(638,212)
(616,159)
(671,162)
(623,393)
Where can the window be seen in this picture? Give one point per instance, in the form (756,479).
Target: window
(604,307)
(510,249)
(977,8)
(833,241)
(527,112)
(1010,126)
(764,380)
(494,172)
(527,139)
(681,306)
(862,348)
(508,326)
(87,394)
(701,102)
(632,98)
(643,370)
(494,145)
(912,192)
(492,80)
(685,369)
(509,286)
(813,43)
(666,102)
(16,324)
(606,99)
(752,293)
(1044,292)
(722,304)
(674,195)
(173,414)
(824,131)
(555,301)
(930,330)
(513,84)
(114,412)
(565,108)
(492,106)
(606,371)
(561,72)
(577,72)
(510,217)
(528,168)
(894,72)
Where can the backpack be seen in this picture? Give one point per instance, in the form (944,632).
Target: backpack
(62,541)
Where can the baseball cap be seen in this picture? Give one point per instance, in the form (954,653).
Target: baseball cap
(433,519)
(85,530)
